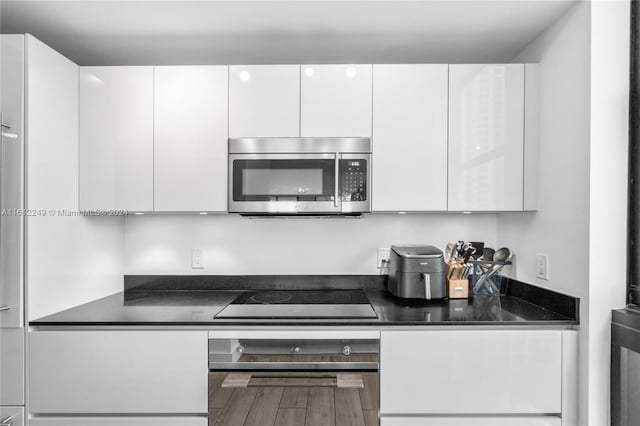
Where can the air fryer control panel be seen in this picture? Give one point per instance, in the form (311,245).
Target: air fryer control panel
(353,180)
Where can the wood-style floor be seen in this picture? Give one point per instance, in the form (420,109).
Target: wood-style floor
(293,406)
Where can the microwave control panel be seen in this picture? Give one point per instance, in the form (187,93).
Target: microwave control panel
(353,180)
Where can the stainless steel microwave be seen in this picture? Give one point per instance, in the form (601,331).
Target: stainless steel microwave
(300,176)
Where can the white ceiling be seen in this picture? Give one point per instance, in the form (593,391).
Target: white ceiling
(115,32)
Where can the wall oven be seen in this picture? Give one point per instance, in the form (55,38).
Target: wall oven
(306,379)
(298,176)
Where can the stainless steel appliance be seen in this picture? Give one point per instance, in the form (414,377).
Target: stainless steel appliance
(417,271)
(300,176)
(625,367)
(281,377)
(299,304)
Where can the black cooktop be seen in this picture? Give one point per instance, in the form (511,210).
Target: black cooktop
(296,304)
(307,297)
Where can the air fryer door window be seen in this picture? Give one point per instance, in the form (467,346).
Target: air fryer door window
(284,180)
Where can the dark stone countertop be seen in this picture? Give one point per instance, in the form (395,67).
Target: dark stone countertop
(192,301)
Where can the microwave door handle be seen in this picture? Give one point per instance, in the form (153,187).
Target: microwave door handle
(337,178)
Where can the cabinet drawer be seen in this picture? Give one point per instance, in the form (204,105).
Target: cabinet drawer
(471,421)
(12,366)
(12,416)
(119,421)
(94,372)
(470,372)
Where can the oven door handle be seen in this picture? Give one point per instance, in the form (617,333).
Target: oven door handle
(337,380)
(337,181)
(284,366)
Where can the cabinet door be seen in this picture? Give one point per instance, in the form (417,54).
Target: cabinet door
(12,180)
(118,421)
(486,127)
(12,416)
(470,372)
(116,138)
(531,135)
(190,138)
(264,101)
(118,372)
(11,366)
(410,137)
(471,421)
(335,100)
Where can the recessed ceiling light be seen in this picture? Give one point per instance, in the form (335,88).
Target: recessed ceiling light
(351,72)
(244,75)
(402,212)
(466,212)
(138,213)
(204,213)
(309,71)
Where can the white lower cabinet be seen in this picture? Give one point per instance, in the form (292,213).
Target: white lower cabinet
(12,416)
(118,421)
(118,372)
(474,373)
(11,367)
(471,421)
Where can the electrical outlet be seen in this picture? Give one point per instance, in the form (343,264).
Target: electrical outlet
(197,258)
(542,266)
(383,257)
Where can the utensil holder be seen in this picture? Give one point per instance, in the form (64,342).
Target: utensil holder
(485,278)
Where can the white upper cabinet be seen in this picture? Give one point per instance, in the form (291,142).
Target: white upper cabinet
(336,100)
(531,135)
(410,137)
(486,131)
(116,138)
(264,101)
(190,138)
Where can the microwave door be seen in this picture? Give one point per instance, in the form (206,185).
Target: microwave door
(283,183)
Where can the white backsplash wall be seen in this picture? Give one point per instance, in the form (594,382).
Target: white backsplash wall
(233,245)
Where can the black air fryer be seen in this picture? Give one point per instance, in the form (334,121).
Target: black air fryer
(417,272)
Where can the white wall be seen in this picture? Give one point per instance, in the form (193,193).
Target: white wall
(70,260)
(608,183)
(582,180)
(237,246)
(560,227)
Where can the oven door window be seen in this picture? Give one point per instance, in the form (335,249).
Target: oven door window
(284,180)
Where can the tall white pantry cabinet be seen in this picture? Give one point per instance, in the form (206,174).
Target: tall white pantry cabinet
(12,331)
